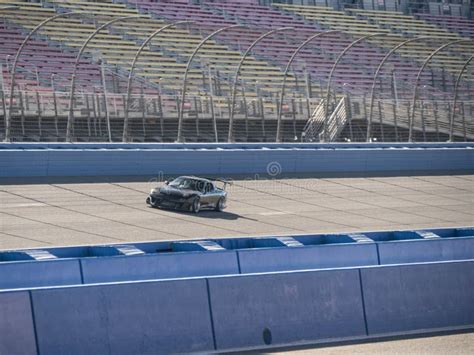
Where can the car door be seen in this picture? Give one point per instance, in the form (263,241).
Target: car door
(205,194)
(212,194)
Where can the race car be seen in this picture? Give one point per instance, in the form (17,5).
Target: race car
(189,193)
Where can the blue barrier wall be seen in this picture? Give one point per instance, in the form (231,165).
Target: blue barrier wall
(43,160)
(16,324)
(21,274)
(287,308)
(411,251)
(137,318)
(238,312)
(425,297)
(228,256)
(309,257)
(159,266)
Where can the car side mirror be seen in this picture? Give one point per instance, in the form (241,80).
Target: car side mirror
(167,182)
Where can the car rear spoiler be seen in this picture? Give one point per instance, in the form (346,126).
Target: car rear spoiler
(224,181)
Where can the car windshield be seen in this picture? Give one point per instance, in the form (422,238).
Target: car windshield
(185,183)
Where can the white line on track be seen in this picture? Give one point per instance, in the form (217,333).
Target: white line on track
(15,205)
(273,213)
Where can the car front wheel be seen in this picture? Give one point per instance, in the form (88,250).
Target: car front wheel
(150,202)
(196,206)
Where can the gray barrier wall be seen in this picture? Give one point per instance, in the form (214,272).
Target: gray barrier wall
(238,312)
(16,324)
(416,298)
(71,160)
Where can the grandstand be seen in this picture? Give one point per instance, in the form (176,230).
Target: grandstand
(342,132)
(321,102)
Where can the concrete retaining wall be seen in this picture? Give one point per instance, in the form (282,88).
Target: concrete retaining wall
(21,274)
(288,308)
(76,160)
(238,312)
(200,258)
(142,318)
(309,257)
(159,266)
(17,334)
(415,298)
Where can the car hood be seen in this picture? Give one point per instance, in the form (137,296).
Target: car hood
(172,191)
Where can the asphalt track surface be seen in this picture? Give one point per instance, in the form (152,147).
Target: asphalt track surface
(94,213)
(453,344)
(38,215)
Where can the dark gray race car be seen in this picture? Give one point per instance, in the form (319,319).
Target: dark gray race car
(189,193)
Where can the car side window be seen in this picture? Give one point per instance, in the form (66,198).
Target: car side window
(200,186)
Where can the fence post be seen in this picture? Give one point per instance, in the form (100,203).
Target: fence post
(38,105)
(395,123)
(4,109)
(22,112)
(214,121)
(435,115)
(308,108)
(297,84)
(228,105)
(99,115)
(86,99)
(349,114)
(309,88)
(408,115)
(394,86)
(293,111)
(96,113)
(279,114)
(244,98)
(55,107)
(211,83)
(443,78)
(105,104)
(26,101)
(463,121)
(143,103)
(95,99)
(382,136)
(197,116)
(104,88)
(218,85)
(178,107)
(161,113)
(262,111)
(2,85)
(422,112)
(364,107)
(155,112)
(203,75)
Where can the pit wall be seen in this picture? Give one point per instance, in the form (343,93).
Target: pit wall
(224,313)
(82,160)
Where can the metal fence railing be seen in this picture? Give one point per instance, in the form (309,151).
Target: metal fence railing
(43,116)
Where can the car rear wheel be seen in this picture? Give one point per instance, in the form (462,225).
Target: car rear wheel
(196,206)
(220,204)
